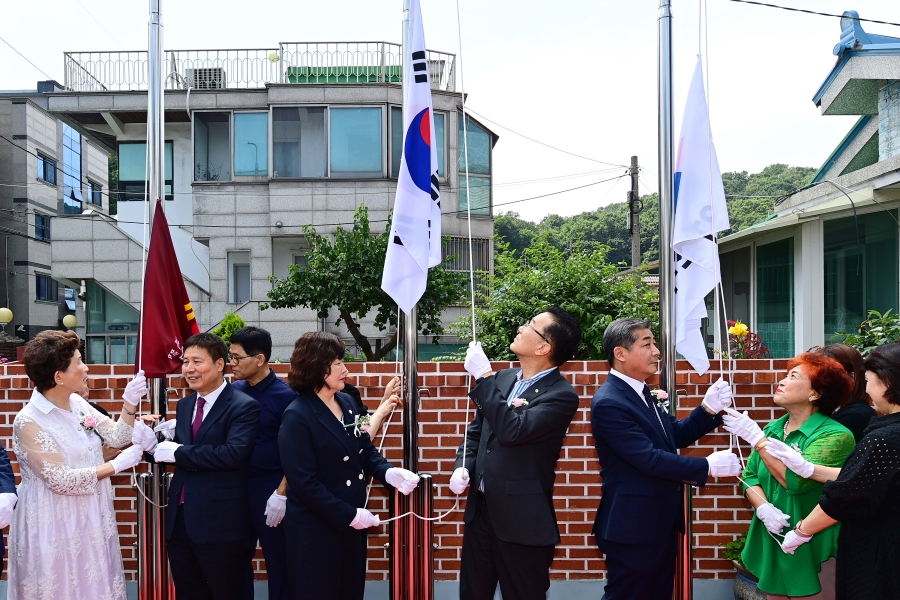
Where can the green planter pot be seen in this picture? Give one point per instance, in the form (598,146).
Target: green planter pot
(745,587)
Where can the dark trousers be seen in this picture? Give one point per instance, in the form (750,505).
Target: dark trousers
(270,538)
(640,572)
(324,564)
(205,571)
(522,571)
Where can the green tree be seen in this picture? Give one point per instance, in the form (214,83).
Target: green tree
(581,281)
(229,325)
(346,273)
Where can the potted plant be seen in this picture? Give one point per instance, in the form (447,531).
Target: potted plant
(745,583)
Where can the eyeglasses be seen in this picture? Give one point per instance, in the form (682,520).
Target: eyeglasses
(238,359)
(529,326)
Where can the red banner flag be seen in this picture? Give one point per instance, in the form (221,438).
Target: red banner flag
(166,311)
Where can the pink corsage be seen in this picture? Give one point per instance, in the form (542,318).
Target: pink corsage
(89,424)
(517,402)
(662,398)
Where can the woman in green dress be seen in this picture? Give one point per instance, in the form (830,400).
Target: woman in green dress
(814,386)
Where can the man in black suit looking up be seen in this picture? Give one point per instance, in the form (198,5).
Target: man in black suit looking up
(207,519)
(511,448)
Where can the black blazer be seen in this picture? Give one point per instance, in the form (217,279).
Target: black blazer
(643,475)
(213,468)
(325,467)
(514,450)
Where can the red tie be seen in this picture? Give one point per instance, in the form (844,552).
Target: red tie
(195,427)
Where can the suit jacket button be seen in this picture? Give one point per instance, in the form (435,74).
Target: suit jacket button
(488,450)
(360,475)
(346,458)
(348,483)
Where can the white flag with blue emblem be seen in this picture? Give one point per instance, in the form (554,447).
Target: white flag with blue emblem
(700,214)
(415,239)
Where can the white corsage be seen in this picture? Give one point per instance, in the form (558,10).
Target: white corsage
(662,398)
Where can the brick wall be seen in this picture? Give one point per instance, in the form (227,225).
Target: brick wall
(719,510)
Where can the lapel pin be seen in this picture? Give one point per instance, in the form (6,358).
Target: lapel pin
(536,390)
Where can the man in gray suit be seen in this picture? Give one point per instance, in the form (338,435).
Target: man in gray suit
(511,450)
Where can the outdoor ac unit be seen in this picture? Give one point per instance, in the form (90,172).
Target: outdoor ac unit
(210,78)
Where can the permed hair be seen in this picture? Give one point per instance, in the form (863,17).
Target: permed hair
(311,361)
(49,352)
(827,378)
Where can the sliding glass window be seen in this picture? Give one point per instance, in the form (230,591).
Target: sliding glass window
(251,144)
(212,146)
(357,142)
(298,142)
(133,170)
(775,296)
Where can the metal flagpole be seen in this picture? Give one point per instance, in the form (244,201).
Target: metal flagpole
(684,574)
(153,563)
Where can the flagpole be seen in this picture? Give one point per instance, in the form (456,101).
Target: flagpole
(684,574)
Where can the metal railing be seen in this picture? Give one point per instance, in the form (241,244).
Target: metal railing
(290,62)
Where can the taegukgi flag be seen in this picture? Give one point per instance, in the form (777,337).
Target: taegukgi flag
(700,214)
(415,238)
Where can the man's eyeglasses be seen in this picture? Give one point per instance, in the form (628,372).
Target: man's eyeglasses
(237,359)
(529,326)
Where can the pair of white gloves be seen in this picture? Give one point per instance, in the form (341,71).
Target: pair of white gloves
(723,463)
(405,481)
(131,456)
(775,520)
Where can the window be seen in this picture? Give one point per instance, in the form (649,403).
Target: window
(72,194)
(298,142)
(456,249)
(477,197)
(46,169)
(356,142)
(736,273)
(133,170)
(251,144)
(775,296)
(301,260)
(95,193)
(42,227)
(112,327)
(397,141)
(238,277)
(860,272)
(45,288)
(212,146)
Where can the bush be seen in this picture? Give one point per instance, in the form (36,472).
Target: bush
(875,331)
(229,325)
(732,550)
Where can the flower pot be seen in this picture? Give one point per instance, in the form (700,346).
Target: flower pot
(745,587)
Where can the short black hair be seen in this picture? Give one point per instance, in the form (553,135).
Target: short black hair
(210,342)
(564,334)
(311,361)
(884,361)
(621,332)
(254,340)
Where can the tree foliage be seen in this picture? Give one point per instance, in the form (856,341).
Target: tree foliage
(346,273)
(231,323)
(580,280)
(878,329)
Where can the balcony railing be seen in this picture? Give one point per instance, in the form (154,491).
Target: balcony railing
(290,62)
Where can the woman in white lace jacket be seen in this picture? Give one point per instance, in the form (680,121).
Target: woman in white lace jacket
(63,541)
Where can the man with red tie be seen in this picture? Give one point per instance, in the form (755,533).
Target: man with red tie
(207,527)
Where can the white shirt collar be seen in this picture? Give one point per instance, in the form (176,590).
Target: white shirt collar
(41,402)
(535,377)
(637,386)
(211,397)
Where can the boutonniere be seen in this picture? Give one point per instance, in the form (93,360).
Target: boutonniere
(796,446)
(662,398)
(360,424)
(89,424)
(517,402)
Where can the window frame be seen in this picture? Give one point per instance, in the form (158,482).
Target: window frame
(327,140)
(122,193)
(96,188)
(54,287)
(384,144)
(231,280)
(268,173)
(461,175)
(45,236)
(42,171)
(230,114)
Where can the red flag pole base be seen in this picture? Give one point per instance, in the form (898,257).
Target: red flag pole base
(412,544)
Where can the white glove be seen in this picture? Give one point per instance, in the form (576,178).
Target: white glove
(7,504)
(772,518)
(165,451)
(792,459)
(136,389)
(794,540)
(477,363)
(743,426)
(275,507)
(129,457)
(143,436)
(459,481)
(403,480)
(364,519)
(723,464)
(167,428)
(718,396)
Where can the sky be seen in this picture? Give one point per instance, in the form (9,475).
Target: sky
(579,75)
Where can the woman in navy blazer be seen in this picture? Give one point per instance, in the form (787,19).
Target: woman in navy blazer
(326,460)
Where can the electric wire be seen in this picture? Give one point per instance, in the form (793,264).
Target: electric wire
(100,24)
(26,58)
(813,12)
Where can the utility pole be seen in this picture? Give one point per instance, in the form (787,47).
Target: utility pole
(634,215)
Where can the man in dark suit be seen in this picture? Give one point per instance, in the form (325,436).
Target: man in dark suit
(511,449)
(8,497)
(207,519)
(643,476)
(251,348)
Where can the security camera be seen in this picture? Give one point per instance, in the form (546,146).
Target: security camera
(82,296)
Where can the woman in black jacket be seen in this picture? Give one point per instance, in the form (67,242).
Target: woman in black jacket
(856,411)
(326,458)
(864,495)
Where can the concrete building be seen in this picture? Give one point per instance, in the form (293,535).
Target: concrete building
(829,254)
(47,168)
(259,143)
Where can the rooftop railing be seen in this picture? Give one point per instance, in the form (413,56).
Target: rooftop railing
(290,62)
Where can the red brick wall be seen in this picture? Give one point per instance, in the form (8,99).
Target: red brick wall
(719,510)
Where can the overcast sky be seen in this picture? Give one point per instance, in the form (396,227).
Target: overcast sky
(578,75)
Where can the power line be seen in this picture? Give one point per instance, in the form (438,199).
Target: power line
(543,144)
(26,58)
(813,12)
(100,24)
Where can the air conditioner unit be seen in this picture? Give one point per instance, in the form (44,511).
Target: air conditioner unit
(208,78)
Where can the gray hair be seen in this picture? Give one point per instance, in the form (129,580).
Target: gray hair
(622,332)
